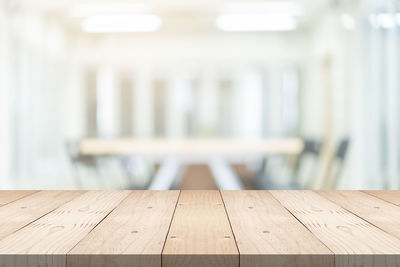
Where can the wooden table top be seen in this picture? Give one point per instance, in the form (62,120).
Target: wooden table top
(190,147)
(199,228)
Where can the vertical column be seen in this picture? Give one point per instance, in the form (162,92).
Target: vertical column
(375,92)
(274,102)
(143,101)
(208,112)
(75,106)
(126,103)
(107,108)
(251,94)
(290,103)
(393,98)
(178,85)
(21,143)
(359,140)
(5,181)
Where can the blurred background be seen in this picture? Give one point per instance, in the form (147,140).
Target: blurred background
(229,94)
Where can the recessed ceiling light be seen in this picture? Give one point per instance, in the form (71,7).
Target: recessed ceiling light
(285,7)
(256,22)
(122,23)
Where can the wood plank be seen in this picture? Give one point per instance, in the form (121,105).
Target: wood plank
(392,196)
(200,234)
(354,241)
(132,235)
(46,241)
(374,210)
(8,196)
(268,235)
(22,212)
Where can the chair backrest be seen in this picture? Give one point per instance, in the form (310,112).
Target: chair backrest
(312,147)
(337,163)
(306,164)
(308,158)
(342,149)
(72,148)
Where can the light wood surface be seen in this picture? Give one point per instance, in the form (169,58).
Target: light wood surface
(190,147)
(135,230)
(199,228)
(200,234)
(47,240)
(7,196)
(267,234)
(354,240)
(391,196)
(26,210)
(378,212)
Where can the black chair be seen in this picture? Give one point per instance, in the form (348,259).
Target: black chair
(312,148)
(311,151)
(336,164)
(77,160)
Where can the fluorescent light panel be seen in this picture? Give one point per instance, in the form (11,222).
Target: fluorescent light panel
(256,22)
(122,23)
(385,20)
(281,7)
(260,16)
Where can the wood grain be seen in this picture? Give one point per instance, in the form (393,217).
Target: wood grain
(268,235)
(378,212)
(354,241)
(200,234)
(194,228)
(46,241)
(392,196)
(22,212)
(132,235)
(8,196)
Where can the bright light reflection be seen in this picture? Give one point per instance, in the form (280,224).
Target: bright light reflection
(256,22)
(122,23)
(281,7)
(385,20)
(348,21)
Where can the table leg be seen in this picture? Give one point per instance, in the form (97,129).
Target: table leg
(224,176)
(166,175)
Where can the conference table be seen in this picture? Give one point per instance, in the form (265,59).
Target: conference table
(174,154)
(199,228)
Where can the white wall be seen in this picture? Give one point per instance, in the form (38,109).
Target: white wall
(331,110)
(40,99)
(4,103)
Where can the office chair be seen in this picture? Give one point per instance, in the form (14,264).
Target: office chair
(307,164)
(77,160)
(311,151)
(336,164)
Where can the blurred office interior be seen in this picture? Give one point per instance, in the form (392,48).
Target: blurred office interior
(225,94)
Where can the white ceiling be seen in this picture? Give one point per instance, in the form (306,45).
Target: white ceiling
(178,15)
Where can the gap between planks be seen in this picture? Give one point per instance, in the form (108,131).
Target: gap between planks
(268,234)
(48,239)
(345,214)
(353,239)
(200,233)
(133,234)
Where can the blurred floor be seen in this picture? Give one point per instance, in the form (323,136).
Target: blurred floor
(199,177)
